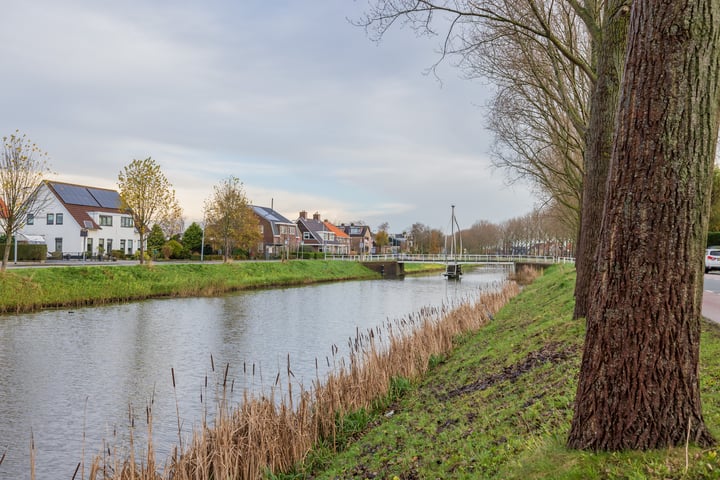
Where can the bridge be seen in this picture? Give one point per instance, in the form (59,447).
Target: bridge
(393,264)
(465,258)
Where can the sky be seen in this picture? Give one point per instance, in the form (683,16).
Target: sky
(290,97)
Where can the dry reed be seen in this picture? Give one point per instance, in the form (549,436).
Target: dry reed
(263,434)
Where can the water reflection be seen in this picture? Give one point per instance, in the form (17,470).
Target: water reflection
(69,374)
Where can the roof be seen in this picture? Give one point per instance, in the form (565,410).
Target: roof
(23,237)
(315,227)
(270,215)
(338,233)
(356,230)
(80,200)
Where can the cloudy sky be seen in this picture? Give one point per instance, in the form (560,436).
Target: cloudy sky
(287,96)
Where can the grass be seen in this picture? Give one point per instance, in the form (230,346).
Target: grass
(473,392)
(278,433)
(499,407)
(30,289)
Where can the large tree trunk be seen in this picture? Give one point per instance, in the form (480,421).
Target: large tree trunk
(638,385)
(610,50)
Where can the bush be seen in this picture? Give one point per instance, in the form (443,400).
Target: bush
(27,253)
(713,239)
(174,249)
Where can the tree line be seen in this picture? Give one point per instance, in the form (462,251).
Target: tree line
(611,109)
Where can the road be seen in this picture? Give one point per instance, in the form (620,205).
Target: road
(711,297)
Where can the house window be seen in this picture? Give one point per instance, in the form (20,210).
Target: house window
(306,236)
(109,245)
(105,221)
(51,219)
(30,219)
(126,222)
(89,246)
(130,246)
(101,244)
(58,219)
(58,244)
(122,245)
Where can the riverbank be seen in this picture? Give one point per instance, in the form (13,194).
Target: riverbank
(32,289)
(499,407)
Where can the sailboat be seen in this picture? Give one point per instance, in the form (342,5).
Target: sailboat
(453,270)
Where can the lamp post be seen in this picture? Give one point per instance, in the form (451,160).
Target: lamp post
(202,243)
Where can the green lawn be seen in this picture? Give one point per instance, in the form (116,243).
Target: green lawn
(28,289)
(500,407)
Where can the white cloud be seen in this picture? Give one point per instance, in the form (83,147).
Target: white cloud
(290,98)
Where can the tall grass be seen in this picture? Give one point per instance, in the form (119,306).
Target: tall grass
(270,433)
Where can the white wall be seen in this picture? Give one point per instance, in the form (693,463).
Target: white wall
(69,231)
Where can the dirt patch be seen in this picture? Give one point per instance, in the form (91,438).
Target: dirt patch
(551,352)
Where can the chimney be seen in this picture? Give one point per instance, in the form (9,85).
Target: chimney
(316,216)
(303,214)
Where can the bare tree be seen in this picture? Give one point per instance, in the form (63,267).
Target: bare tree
(23,167)
(483,237)
(639,385)
(147,194)
(172,222)
(558,66)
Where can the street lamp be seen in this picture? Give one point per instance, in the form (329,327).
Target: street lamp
(202,243)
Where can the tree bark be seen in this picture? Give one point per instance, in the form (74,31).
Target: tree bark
(639,385)
(610,51)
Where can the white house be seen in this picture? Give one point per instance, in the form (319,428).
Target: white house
(76,219)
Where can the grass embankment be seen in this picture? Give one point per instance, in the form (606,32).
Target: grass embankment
(500,407)
(274,432)
(30,289)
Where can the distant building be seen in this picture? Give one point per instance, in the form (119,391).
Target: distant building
(361,238)
(280,236)
(317,236)
(78,219)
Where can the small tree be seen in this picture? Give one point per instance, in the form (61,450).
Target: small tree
(192,238)
(229,218)
(22,169)
(172,221)
(147,194)
(382,239)
(155,240)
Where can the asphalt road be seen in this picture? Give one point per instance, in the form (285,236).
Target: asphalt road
(711,297)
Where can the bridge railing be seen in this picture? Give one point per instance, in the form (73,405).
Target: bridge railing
(465,258)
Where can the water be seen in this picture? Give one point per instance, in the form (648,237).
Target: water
(70,378)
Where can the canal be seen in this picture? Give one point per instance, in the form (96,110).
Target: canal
(74,380)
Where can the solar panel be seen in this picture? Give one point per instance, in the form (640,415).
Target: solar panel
(106,198)
(75,195)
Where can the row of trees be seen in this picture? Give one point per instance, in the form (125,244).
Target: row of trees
(539,232)
(149,196)
(611,110)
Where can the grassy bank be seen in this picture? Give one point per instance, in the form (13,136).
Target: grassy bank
(272,433)
(29,289)
(499,406)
